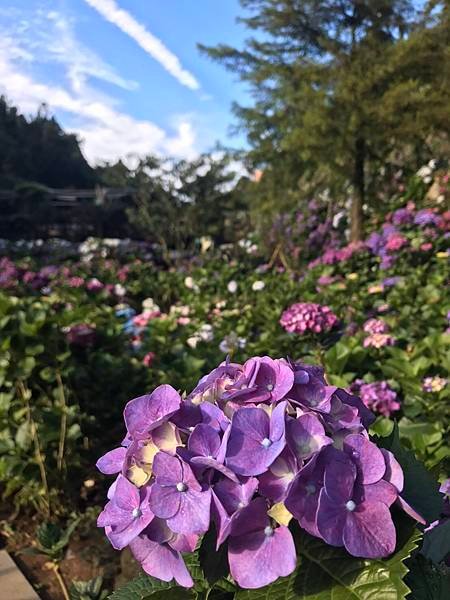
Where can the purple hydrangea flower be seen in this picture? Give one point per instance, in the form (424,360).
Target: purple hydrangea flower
(250,447)
(308,317)
(378,396)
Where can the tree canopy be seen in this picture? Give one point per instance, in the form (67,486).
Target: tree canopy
(338,87)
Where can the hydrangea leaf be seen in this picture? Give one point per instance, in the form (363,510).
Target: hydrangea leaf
(145,587)
(426,581)
(214,562)
(421,489)
(436,543)
(326,573)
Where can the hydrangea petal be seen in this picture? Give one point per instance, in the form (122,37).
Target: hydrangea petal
(369,531)
(194,513)
(257,559)
(340,475)
(367,457)
(112,462)
(331,518)
(145,413)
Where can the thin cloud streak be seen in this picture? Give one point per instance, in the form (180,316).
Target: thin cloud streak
(153,46)
(107,133)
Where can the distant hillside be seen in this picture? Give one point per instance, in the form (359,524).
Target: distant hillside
(38,150)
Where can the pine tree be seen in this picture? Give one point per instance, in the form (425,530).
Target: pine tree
(324,76)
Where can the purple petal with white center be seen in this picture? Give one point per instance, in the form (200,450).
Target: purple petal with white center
(259,557)
(145,413)
(120,539)
(250,448)
(112,462)
(367,457)
(369,531)
(235,496)
(249,457)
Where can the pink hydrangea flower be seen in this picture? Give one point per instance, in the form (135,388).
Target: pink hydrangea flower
(378,340)
(375,326)
(308,317)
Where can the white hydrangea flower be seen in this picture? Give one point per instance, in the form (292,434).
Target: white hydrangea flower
(119,290)
(257,286)
(232,286)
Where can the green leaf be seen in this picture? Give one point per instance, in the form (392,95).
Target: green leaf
(144,586)
(214,563)
(326,573)
(426,581)
(436,543)
(421,489)
(23,435)
(87,590)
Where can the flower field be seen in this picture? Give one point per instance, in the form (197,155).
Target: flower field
(297,406)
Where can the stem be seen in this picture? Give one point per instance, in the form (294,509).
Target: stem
(37,447)
(63,428)
(274,256)
(61,582)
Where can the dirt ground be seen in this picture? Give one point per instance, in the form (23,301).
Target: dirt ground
(88,555)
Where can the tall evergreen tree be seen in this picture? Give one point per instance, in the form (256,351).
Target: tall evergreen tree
(322,74)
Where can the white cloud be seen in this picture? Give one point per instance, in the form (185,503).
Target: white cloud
(44,37)
(106,132)
(58,43)
(110,10)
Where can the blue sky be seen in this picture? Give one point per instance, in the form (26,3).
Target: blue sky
(125,75)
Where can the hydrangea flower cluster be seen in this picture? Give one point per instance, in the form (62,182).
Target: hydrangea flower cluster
(308,317)
(250,448)
(378,396)
(434,384)
(373,326)
(82,334)
(337,255)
